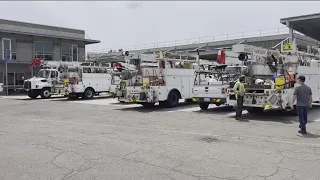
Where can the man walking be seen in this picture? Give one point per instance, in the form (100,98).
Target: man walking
(239,90)
(303,95)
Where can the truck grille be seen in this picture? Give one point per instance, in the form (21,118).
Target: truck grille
(26,85)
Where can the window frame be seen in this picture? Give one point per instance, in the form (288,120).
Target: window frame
(12,52)
(70,56)
(43,53)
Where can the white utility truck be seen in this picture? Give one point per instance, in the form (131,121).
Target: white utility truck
(89,79)
(210,84)
(163,78)
(49,80)
(271,76)
(116,74)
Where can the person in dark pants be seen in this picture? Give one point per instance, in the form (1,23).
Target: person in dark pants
(303,95)
(239,90)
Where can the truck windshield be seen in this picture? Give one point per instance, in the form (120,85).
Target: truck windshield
(44,73)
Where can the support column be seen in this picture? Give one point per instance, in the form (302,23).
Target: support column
(291,35)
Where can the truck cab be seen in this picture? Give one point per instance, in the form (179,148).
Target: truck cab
(42,84)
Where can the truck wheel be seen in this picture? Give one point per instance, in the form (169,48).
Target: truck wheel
(173,99)
(203,106)
(88,93)
(255,110)
(45,93)
(33,95)
(218,104)
(147,105)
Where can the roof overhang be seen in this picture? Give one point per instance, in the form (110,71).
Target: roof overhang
(308,25)
(86,41)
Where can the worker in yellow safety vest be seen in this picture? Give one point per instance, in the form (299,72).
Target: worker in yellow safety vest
(239,90)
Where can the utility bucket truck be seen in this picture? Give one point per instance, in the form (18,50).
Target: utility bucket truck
(117,72)
(89,79)
(163,78)
(210,85)
(49,80)
(211,81)
(271,76)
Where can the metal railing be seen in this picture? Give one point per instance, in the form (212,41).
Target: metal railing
(204,39)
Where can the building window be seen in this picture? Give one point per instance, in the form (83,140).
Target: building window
(69,52)
(43,50)
(9,47)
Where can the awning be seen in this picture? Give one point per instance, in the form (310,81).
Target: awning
(308,25)
(86,41)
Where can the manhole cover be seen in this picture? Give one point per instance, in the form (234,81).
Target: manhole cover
(209,139)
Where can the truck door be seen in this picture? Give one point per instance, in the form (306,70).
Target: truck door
(185,89)
(53,77)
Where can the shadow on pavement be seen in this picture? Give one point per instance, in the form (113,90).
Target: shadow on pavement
(280,116)
(273,116)
(80,99)
(221,110)
(310,135)
(39,98)
(156,108)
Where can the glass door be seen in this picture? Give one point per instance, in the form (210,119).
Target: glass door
(74,52)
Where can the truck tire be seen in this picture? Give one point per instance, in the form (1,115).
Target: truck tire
(147,105)
(204,106)
(88,94)
(173,99)
(218,104)
(255,110)
(45,93)
(33,95)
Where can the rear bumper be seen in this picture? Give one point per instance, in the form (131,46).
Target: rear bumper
(212,100)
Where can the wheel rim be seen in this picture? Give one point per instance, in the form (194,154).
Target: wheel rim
(88,93)
(46,93)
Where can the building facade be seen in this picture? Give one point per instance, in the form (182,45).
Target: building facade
(21,42)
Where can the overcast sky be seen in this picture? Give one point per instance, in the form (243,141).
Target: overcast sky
(120,24)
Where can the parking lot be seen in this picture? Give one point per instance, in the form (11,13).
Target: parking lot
(104,139)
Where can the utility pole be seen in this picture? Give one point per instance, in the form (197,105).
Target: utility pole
(7,85)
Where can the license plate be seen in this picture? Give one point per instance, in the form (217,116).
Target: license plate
(206,99)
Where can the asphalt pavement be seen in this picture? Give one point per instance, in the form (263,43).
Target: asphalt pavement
(103,139)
